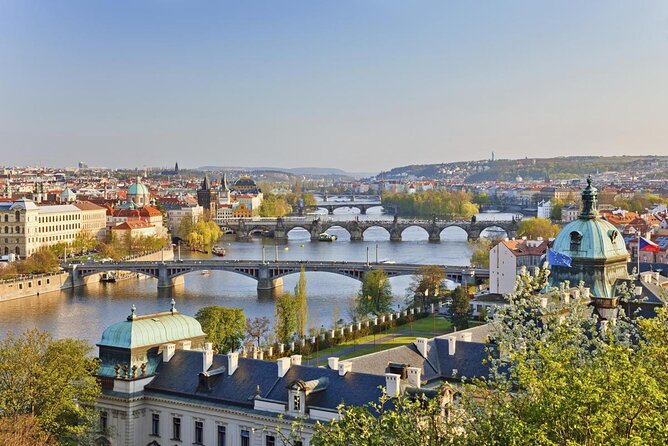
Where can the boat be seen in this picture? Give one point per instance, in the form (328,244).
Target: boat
(268,234)
(205,272)
(109,277)
(218,251)
(324,237)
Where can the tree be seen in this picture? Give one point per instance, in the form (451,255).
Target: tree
(375,295)
(557,206)
(84,241)
(257,329)
(428,280)
(301,303)
(285,321)
(274,205)
(480,254)
(24,430)
(54,380)
(224,327)
(460,308)
(200,234)
(533,228)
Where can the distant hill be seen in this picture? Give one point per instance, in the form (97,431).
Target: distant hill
(310,171)
(533,168)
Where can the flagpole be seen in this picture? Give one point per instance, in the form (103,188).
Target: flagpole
(638,254)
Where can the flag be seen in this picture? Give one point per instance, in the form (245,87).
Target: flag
(556,258)
(647,245)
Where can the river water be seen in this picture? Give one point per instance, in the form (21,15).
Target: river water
(85,312)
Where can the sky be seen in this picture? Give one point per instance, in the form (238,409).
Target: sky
(356,85)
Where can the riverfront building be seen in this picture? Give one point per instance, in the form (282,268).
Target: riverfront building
(163,385)
(27,227)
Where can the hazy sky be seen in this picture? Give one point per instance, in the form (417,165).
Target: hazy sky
(359,85)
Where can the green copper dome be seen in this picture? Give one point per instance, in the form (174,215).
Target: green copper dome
(597,249)
(153,329)
(138,189)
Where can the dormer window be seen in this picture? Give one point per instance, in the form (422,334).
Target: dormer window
(297,402)
(576,240)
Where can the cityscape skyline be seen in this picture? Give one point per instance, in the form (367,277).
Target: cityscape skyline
(328,85)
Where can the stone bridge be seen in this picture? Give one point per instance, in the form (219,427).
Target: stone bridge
(245,228)
(269,275)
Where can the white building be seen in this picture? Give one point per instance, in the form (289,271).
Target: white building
(176,215)
(161,384)
(507,257)
(544,209)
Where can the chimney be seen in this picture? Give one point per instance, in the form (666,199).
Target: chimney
(232,362)
(345,367)
(452,343)
(414,376)
(184,345)
(333,363)
(296,360)
(283,366)
(207,356)
(393,384)
(168,351)
(422,346)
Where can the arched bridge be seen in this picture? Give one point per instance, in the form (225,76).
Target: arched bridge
(245,228)
(268,274)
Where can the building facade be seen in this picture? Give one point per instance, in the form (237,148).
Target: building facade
(507,257)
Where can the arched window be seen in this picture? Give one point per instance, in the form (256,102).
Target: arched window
(6,217)
(17,215)
(18,229)
(6,229)
(17,251)
(6,250)
(576,240)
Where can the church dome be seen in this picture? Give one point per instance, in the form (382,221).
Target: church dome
(245,182)
(138,189)
(590,239)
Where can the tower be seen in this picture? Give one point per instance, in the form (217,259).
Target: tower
(207,197)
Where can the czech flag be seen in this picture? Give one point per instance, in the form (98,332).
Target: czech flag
(647,245)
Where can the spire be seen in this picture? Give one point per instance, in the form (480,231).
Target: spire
(224,182)
(176,168)
(205,182)
(589,201)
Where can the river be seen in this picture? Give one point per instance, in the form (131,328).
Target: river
(85,312)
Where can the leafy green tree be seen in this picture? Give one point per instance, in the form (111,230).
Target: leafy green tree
(274,205)
(84,241)
(285,321)
(54,380)
(533,228)
(375,295)
(460,308)
(301,303)
(480,254)
(557,206)
(429,203)
(224,327)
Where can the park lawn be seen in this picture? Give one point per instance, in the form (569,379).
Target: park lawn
(421,327)
(396,342)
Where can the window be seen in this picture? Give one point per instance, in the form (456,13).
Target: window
(245,438)
(199,432)
(176,428)
(270,440)
(103,420)
(298,443)
(155,425)
(297,402)
(221,436)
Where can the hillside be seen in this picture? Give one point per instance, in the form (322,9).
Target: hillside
(534,168)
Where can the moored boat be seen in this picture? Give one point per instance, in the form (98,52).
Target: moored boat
(324,237)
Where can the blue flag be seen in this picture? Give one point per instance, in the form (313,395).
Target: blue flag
(558,259)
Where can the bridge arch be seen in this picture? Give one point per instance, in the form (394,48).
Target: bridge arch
(350,209)
(228,230)
(414,232)
(372,233)
(493,231)
(257,230)
(337,229)
(454,232)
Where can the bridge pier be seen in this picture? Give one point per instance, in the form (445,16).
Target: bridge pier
(165,281)
(435,236)
(362,210)
(269,287)
(356,235)
(330,210)
(395,234)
